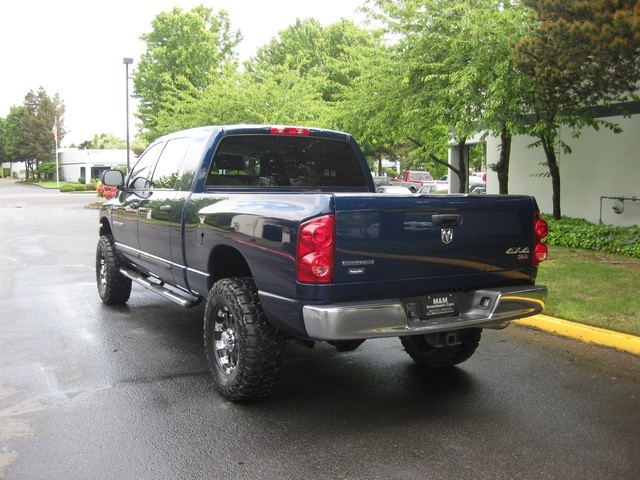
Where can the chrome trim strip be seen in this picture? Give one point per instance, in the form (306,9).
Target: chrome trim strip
(198,272)
(134,252)
(279,298)
(161,262)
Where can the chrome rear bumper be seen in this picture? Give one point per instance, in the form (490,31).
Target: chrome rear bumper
(489,308)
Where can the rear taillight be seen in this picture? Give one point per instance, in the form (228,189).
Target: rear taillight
(289,131)
(540,250)
(316,250)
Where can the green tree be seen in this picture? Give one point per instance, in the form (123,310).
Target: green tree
(3,142)
(370,106)
(29,130)
(281,96)
(318,53)
(10,125)
(46,170)
(108,141)
(295,79)
(576,55)
(502,114)
(184,51)
(454,77)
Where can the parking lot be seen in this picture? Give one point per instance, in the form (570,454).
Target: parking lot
(88,391)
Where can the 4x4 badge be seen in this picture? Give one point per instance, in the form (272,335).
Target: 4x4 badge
(446,235)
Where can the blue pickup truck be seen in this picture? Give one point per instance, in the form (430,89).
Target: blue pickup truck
(278,230)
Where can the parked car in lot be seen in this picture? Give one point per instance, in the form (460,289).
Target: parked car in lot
(379,181)
(413,180)
(441,184)
(477,178)
(394,189)
(427,189)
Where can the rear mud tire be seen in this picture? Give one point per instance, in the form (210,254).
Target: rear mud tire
(113,287)
(427,354)
(243,350)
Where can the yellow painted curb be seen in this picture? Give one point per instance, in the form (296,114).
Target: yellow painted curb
(584,333)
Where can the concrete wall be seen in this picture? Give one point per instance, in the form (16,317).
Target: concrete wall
(602,164)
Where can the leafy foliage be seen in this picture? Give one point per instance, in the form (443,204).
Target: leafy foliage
(315,52)
(434,72)
(457,76)
(28,129)
(185,51)
(579,233)
(581,53)
(46,170)
(108,141)
(576,55)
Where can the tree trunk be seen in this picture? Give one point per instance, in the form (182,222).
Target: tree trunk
(502,167)
(554,171)
(463,173)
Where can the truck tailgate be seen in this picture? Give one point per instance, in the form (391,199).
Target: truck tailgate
(401,245)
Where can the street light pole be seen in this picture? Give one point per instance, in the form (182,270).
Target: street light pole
(127,62)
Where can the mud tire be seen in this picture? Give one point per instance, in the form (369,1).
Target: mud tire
(243,350)
(113,287)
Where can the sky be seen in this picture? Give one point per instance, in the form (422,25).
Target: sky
(75,49)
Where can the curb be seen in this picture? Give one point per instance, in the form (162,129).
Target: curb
(583,333)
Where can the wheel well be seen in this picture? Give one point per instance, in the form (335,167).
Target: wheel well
(227,262)
(105,227)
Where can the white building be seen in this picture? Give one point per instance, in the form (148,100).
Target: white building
(602,172)
(89,164)
(74,163)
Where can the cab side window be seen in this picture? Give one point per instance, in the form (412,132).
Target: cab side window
(167,170)
(139,176)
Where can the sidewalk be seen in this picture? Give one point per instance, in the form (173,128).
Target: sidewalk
(583,333)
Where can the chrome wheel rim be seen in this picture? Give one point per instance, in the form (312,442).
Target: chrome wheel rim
(225,340)
(103,271)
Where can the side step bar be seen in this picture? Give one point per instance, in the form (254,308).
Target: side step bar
(182,299)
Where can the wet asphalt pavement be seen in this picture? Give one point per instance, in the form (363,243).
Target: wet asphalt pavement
(88,391)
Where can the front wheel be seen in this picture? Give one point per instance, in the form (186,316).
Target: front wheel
(113,287)
(243,350)
(445,349)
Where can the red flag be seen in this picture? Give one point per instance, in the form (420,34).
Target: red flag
(54,130)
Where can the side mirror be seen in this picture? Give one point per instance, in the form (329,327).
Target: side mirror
(112,178)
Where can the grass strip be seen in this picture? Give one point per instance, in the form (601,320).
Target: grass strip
(593,288)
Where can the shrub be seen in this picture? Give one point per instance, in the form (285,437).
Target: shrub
(91,186)
(579,233)
(106,192)
(80,188)
(67,188)
(82,180)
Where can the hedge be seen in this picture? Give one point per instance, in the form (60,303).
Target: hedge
(579,233)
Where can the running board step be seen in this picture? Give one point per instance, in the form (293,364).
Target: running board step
(182,299)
